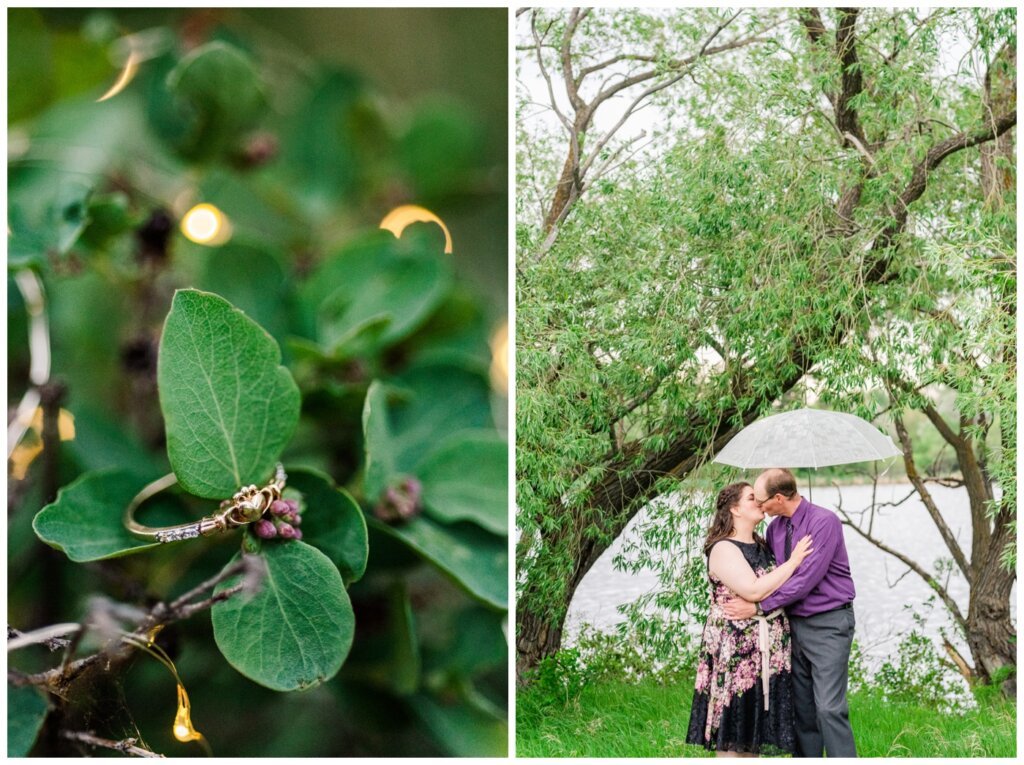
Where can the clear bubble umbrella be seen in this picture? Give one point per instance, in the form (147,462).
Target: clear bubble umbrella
(807,438)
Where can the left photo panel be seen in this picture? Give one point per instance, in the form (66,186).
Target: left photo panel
(257,376)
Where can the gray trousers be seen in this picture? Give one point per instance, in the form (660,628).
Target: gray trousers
(821,658)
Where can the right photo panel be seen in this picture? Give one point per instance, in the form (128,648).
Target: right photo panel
(765,401)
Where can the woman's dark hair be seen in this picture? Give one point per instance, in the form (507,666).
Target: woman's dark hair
(721,524)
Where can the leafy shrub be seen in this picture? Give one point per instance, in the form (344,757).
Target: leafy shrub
(204,246)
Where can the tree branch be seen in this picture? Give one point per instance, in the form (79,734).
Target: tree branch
(932,582)
(682,63)
(929,501)
(57,680)
(852,78)
(565,54)
(127,745)
(915,188)
(813,25)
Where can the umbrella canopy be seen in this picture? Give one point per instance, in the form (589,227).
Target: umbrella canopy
(807,438)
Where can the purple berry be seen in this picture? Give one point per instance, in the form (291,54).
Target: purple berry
(298,534)
(293,506)
(400,502)
(413,488)
(287,531)
(279,507)
(265,529)
(293,518)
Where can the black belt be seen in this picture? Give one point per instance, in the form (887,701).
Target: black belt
(837,608)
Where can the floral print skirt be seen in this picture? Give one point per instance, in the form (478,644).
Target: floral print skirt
(728,711)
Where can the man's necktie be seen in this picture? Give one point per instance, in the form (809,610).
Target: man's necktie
(789,538)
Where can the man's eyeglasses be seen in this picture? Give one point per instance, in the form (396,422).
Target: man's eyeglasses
(760,502)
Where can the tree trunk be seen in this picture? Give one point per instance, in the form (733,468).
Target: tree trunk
(538,637)
(991,635)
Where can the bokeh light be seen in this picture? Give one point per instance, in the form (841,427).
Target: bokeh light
(499,359)
(205,224)
(131,66)
(398,219)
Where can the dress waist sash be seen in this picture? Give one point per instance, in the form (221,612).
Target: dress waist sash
(764,646)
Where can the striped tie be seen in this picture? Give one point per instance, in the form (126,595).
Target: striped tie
(789,538)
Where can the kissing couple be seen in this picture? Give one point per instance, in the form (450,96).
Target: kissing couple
(775,651)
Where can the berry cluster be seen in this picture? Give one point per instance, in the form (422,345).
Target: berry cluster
(401,502)
(282,519)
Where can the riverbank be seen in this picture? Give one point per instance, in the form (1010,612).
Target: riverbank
(613,718)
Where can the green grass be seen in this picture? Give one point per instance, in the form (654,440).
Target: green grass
(649,719)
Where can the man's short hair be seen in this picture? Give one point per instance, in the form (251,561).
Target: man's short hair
(779,481)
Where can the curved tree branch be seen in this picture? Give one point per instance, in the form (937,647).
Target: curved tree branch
(929,502)
(914,566)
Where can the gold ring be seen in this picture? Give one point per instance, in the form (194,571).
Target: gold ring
(246,506)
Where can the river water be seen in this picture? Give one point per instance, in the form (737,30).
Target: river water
(887,596)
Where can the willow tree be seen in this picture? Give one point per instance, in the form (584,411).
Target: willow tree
(690,289)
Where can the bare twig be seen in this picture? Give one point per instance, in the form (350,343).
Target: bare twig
(59,678)
(913,565)
(48,636)
(127,745)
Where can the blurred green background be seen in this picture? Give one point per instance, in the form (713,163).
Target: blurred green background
(305,129)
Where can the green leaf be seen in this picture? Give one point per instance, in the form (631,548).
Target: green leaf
(219,92)
(464,730)
(387,654)
(433,401)
(295,631)
(26,710)
(108,217)
(55,230)
(254,206)
(332,522)
(478,642)
(85,521)
(103,443)
(380,276)
(474,559)
(466,478)
(404,665)
(324,148)
(381,456)
(228,405)
(30,62)
(80,65)
(457,333)
(250,278)
(442,148)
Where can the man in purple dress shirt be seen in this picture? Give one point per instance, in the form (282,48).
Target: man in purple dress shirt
(818,600)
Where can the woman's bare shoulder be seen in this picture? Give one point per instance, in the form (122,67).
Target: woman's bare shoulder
(725,552)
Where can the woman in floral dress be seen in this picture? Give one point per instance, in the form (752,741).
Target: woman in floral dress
(742,703)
